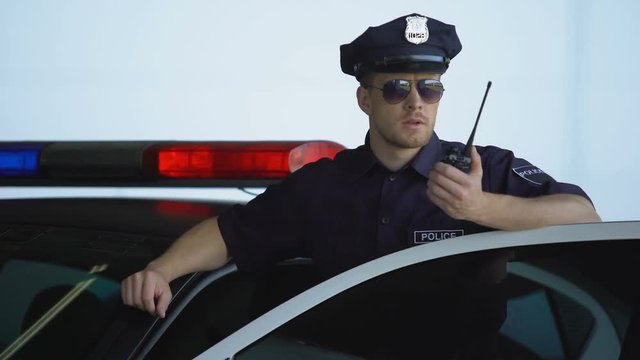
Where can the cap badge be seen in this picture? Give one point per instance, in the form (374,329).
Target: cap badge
(416,31)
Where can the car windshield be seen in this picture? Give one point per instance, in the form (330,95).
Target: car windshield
(60,286)
(59,307)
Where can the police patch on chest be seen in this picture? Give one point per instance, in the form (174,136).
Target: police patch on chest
(425,236)
(532,174)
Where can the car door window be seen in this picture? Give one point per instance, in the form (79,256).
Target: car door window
(537,302)
(429,309)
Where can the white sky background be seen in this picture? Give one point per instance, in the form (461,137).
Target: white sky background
(565,78)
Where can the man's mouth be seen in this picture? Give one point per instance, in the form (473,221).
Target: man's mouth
(414,122)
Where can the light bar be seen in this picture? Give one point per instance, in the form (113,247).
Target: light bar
(157,163)
(19,160)
(237,160)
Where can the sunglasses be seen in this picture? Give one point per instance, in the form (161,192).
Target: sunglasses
(394,91)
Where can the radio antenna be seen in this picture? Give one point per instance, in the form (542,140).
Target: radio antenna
(467,148)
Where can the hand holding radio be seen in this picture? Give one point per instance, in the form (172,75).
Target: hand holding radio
(459,195)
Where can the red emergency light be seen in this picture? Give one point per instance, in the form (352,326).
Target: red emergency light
(262,160)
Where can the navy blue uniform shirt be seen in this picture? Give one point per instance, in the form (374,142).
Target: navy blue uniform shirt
(350,210)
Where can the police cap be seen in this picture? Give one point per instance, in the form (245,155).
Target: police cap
(412,43)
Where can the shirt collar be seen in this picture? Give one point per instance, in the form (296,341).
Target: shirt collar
(363,159)
(428,156)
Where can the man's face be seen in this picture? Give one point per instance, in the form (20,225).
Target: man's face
(408,124)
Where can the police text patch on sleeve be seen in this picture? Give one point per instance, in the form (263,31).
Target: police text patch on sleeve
(532,174)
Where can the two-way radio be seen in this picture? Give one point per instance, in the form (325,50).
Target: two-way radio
(462,160)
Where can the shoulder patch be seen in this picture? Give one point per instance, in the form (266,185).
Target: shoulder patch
(532,174)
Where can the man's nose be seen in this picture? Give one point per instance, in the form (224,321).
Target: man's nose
(413,100)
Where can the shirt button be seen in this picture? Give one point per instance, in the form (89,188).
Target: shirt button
(384,220)
(392,177)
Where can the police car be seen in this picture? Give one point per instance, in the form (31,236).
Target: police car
(561,292)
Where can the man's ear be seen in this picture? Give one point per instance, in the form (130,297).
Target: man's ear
(364,99)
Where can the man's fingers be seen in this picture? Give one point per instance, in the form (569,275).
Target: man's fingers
(148,293)
(435,189)
(444,202)
(476,162)
(450,184)
(450,172)
(435,197)
(137,290)
(163,302)
(125,292)
(128,289)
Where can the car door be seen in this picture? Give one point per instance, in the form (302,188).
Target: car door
(555,293)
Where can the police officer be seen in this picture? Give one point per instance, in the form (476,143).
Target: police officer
(388,194)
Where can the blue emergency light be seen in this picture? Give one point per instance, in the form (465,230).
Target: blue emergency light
(19,160)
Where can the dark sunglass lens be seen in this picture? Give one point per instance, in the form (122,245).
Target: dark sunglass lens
(430,90)
(394,91)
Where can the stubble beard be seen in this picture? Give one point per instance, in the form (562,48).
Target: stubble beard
(407,141)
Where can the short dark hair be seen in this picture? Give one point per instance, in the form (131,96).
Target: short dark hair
(366,79)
